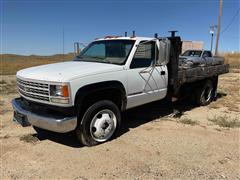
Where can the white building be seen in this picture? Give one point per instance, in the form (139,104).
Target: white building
(196,45)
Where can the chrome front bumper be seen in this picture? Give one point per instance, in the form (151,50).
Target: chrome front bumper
(44,121)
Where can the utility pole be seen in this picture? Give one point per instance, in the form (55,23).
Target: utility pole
(219,25)
(212,32)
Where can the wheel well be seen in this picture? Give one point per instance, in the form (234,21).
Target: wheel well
(113,91)
(108,94)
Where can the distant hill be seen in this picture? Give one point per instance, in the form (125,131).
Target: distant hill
(11,63)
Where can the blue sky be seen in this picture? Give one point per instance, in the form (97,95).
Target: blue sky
(36,27)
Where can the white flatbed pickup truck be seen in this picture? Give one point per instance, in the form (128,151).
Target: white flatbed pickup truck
(111,75)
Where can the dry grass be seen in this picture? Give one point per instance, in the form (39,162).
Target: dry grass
(225,121)
(8,86)
(29,138)
(3,82)
(233,59)
(214,105)
(188,121)
(11,63)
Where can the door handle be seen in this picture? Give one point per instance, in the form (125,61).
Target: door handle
(163,72)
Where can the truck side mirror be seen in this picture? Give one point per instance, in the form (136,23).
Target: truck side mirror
(77,49)
(164,52)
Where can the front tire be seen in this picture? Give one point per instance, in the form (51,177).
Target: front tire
(100,123)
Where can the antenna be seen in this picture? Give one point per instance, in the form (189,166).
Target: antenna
(63,42)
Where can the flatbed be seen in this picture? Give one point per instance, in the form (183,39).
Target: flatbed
(201,72)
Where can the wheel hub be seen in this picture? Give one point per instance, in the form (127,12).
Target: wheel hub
(103,125)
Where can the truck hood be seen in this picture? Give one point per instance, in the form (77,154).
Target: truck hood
(66,71)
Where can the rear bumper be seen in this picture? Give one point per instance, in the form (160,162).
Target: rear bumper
(45,121)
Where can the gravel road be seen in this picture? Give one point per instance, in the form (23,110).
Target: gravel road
(201,143)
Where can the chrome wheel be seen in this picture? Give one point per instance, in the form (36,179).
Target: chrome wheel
(103,125)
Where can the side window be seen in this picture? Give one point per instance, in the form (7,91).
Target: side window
(144,55)
(207,54)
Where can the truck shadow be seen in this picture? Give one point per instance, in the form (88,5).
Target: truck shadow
(155,110)
(152,111)
(68,139)
(132,119)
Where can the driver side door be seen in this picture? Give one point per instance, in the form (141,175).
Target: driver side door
(146,81)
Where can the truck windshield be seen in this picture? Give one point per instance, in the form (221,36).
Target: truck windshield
(107,51)
(192,53)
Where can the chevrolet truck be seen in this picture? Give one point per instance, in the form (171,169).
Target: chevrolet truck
(110,75)
(191,58)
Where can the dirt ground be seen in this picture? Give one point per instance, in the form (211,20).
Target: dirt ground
(199,143)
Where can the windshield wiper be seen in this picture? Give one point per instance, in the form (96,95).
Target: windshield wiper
(107,61)
(94,57)
(79,56)
(97,58)
(103,59)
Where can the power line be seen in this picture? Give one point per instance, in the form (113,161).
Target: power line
(232,20)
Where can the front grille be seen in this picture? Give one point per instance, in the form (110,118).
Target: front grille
(34,90)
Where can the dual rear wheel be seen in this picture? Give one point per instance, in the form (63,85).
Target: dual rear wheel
(204,94)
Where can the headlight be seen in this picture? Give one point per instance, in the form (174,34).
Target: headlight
(59,94)
(59,90)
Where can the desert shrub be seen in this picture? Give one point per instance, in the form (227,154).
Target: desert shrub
(225,121)
(188,121)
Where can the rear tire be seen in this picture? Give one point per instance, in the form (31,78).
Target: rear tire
(204,94)
(100,123)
